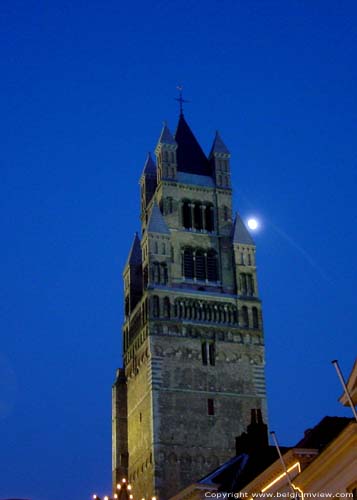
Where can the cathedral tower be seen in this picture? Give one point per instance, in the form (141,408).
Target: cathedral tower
(193,350)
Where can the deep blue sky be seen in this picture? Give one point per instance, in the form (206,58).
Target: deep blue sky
(84,88)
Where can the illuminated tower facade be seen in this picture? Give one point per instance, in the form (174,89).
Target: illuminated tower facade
(193,348)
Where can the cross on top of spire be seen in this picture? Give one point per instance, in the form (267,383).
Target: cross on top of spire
(180,99)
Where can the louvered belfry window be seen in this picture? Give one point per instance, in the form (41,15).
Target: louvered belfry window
(199,265)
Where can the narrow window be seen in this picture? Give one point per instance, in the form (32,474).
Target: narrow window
(197,213)
(225,213)
(209,218)
(255,318)
(188,263)
(204,353)
(186,215)
(245,318)
(200,266)
(212,354)
(212,271)
(167,307)
(250,284)
(156,306)
(163,274)
(210,406)
(244,284)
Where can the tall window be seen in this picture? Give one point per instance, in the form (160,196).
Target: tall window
(209,218)
(208,353)
(188,269)
(210,406)
(200,265)
(167,307)
(197,216)
(204,353)
(186,214)
(155,306)
(212,268)
(255,317)
(245,317)
(212,354)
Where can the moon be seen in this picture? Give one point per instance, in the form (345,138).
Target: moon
(253,224)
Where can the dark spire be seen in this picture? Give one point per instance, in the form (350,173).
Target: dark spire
(149,167)
(134,257)
(218,146)
(190,157)
(241,234)
(156,222)
(166,136)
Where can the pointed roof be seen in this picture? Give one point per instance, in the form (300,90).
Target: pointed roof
(156,223)
(149,166)
(218,145)
(134,257)
(241,234)
(190,157)
(166,136)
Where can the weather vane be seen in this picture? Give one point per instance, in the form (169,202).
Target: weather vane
(180,99)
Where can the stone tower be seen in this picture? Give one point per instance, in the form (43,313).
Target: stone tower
(193,349)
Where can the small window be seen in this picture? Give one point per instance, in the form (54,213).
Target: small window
(186,215)
(210,406)
(204,353)
(245,317)
(255,317)
(212,354)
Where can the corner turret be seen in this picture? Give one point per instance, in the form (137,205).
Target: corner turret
(220,160)
(166,155)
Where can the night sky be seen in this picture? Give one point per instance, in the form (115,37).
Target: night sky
(84,88)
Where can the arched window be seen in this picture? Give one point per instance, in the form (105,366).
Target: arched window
(212,268)
(255,317)
(245,317)
(155,306)
(188,269)
(186,215)
(200,262)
